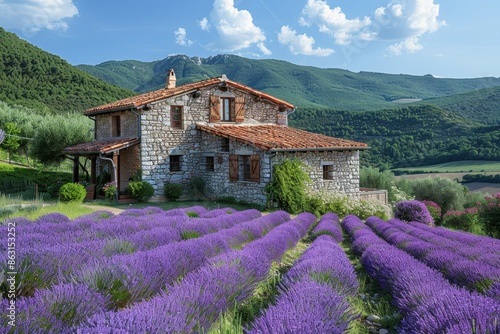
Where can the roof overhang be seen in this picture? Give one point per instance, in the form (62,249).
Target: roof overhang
(319,149)
(101,146)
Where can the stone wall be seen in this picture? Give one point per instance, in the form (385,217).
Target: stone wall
(345,165)
(128,121)
(159,140)
(380,195)
(345,171)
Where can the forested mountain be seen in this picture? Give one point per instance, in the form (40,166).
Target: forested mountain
(37,79)
(408,136)
(480,105)
(301,85)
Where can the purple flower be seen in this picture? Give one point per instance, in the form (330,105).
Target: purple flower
(305,307)
(328,224)
(413,211)
(56,310)
(53,217)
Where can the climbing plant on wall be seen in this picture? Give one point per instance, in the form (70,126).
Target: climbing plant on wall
(287,186)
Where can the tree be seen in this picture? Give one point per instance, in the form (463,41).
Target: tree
(448,194)
(56,133)
(11,141)
(374,178)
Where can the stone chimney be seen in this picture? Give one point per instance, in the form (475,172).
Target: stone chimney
(171,79)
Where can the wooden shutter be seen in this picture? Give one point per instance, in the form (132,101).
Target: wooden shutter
(232,110)
(239,109)
(255,168)
(233,167)
(214,109)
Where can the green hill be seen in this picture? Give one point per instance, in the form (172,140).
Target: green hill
(408,136)
(304,86)
(480,105)
(37,79)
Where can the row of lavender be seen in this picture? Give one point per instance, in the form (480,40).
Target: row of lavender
(43,261)
(134,225)
(194,304)
(475,267)
(313,294)
(428,302)
(104,283)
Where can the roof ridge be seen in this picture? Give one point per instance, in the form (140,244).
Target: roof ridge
(139,100)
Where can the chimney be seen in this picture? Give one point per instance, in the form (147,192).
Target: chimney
(171,79)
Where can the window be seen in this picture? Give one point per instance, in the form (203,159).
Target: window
(115,126)
(327,172)
(225,109)
(209,164)
(175,163)
(244,168)
(224,145)
(176,117)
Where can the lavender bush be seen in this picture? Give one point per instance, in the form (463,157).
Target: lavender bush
(195,302)
(328,224)
(413,211)
(54,310)
(421,293)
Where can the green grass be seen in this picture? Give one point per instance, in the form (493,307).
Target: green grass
(11,207)
(463,166)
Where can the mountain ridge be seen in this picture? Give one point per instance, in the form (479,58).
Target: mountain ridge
(300,85)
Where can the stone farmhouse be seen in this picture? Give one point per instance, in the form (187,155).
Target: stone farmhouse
(222,131)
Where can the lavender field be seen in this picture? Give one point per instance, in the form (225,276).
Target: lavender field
(183,270)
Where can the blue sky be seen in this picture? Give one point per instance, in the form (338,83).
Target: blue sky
(446,38)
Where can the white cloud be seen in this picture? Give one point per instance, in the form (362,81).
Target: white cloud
(301,44)
(34,15)
(335,23)
(204,25)
(181,37)
(408,21)
(235,27)
(264,49)
(409,45)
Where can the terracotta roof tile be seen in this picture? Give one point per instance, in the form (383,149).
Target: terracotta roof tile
(280,138)
(157,95)
(101,146)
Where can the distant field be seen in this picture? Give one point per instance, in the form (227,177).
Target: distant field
(464,166)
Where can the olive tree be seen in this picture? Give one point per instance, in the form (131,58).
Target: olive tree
(57,132)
